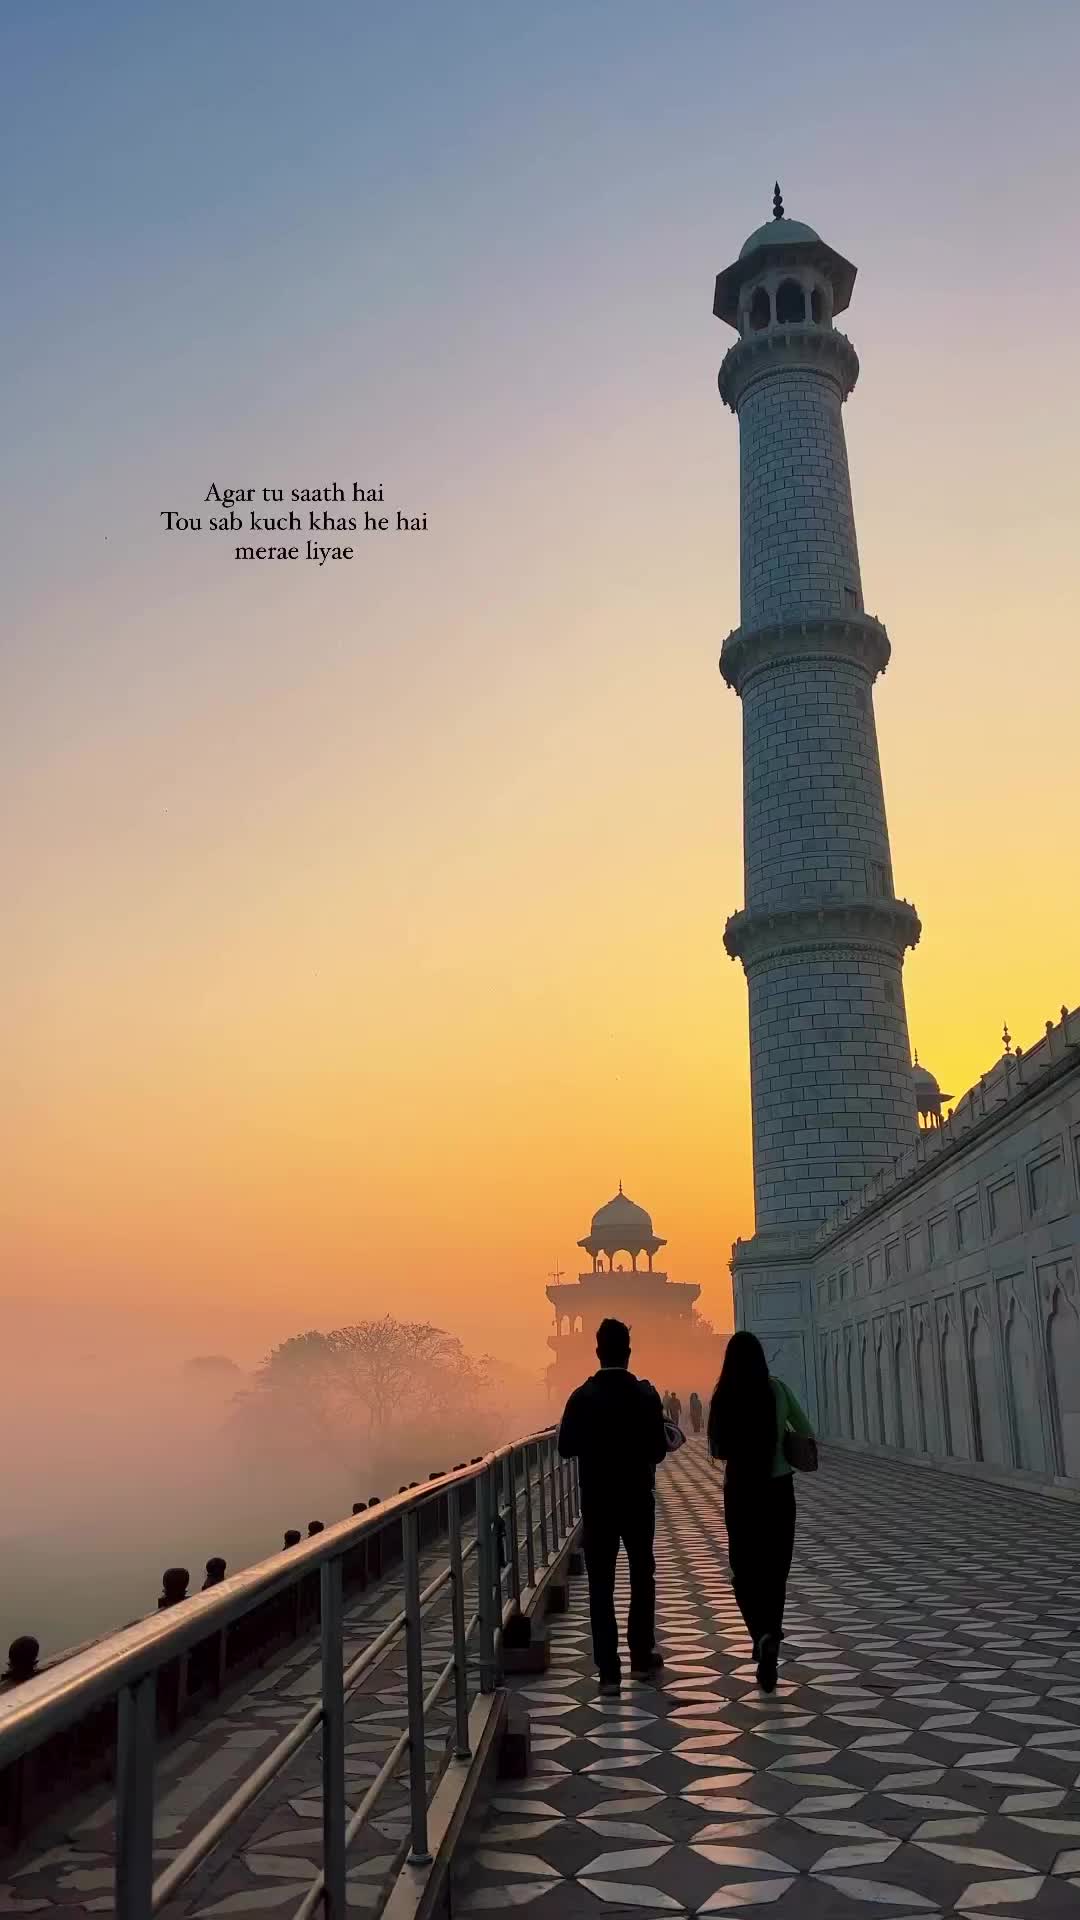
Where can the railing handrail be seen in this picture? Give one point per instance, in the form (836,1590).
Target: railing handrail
(51,1700)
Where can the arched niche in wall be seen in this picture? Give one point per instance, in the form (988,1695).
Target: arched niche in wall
(906,1424)
(929,1428)
(957,1441)
(1063,1367)
(1022,1373)
(851,1398)
(865,1384)
(876,1389)
(985,1388)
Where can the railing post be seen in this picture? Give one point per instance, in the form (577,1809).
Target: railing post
(457,1611)
(485,1548)
(530,1544)
(541,1488)
(414,1675)
(333,1739)
(512,1544)
(136,1717)
(553,1472)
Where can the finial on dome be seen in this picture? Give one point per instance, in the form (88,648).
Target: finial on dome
(620,1186)
(1006,1036)
(777,203)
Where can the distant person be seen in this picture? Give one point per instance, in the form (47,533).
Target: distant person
(676,1410)
(749,1417)
(614,1426)
(696,1412)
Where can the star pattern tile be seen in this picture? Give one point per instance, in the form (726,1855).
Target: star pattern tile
(920,1758)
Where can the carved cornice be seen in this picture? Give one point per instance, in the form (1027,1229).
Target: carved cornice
(887,926)
(855,638)
(804,347)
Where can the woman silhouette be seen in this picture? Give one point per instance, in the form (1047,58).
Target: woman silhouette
(749,1416)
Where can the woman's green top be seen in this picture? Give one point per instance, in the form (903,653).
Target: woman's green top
(788,1414)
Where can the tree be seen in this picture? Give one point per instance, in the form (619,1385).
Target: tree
(391,1397)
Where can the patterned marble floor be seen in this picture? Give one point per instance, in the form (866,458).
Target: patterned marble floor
(920,1757)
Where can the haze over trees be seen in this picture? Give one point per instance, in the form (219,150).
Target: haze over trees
(386,1399)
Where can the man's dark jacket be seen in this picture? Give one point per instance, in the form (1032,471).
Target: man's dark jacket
(614,1424)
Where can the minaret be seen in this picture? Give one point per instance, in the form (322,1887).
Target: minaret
(822,935)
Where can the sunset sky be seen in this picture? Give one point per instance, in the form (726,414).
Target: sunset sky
(365,923)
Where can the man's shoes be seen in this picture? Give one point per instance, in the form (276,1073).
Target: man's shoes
(609,1689)
(768,1653)
(648,1667)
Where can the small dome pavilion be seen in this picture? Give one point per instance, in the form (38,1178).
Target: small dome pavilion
(785,275)
(669,1343)
(621,1226)
(928,1096)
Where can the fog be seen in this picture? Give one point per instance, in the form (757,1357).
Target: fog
(122,1458)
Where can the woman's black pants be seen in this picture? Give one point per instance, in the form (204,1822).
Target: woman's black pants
(760,1522)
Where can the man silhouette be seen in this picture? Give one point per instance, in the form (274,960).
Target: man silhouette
(614,1426)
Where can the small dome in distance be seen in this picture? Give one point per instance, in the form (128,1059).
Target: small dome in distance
(621,1212)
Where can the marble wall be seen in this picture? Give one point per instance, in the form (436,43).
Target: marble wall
(938,1313)
(946,1314)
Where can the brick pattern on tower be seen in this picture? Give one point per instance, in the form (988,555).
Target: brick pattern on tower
(799,553)
(830,1078)
(812,787)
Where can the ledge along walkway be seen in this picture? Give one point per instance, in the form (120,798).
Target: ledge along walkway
(266,1862)
(921,1755)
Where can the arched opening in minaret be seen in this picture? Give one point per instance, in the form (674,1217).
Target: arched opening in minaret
(815,305)
(790,302)
(760,310)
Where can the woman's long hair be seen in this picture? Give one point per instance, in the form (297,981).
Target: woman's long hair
(742,1412)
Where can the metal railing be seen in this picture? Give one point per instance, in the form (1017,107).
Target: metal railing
(526,1505)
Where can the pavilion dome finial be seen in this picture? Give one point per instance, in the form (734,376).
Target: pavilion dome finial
(777,203)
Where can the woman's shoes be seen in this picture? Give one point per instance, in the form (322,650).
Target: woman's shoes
(609,1689)
(647,1668)
(768,1654)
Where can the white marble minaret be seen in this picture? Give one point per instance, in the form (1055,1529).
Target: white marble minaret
(822,935)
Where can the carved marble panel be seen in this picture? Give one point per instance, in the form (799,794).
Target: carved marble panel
(1020,1340)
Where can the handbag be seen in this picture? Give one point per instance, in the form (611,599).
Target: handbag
(674,1436)
(800,1451)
